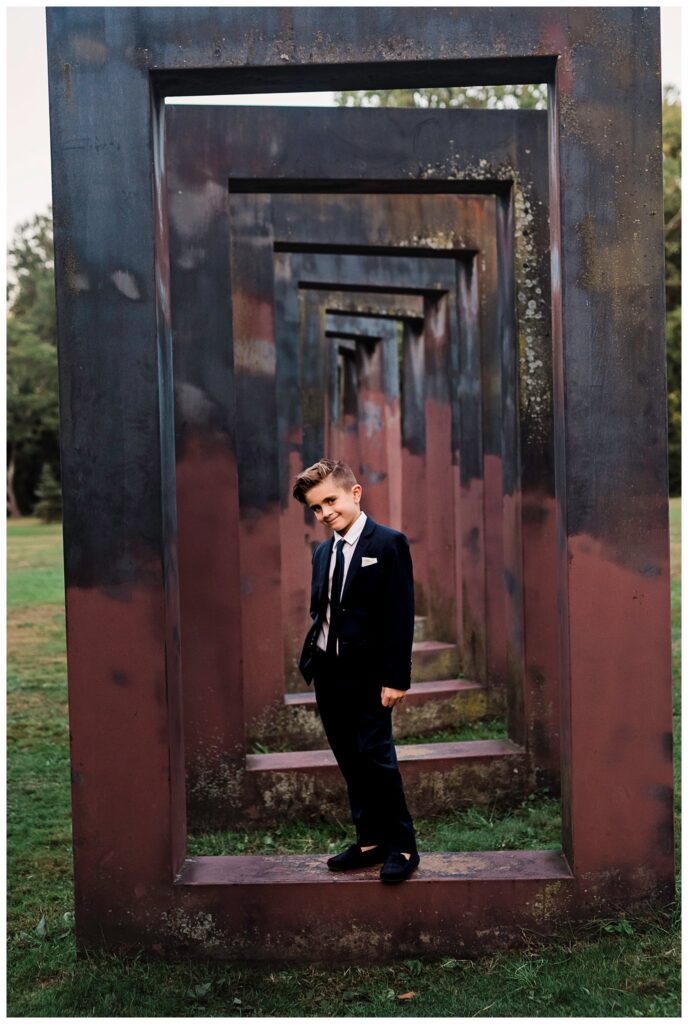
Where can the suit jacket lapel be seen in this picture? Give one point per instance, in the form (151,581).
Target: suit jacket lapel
(359,551)
(323,578)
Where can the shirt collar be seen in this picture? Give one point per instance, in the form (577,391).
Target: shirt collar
(354,531)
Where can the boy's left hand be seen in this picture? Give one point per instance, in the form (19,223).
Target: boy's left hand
(390,696)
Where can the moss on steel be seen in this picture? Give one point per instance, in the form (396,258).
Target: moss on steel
(214,777)
(199,928)
(531,298)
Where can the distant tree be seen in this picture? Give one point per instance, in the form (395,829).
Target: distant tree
(48,508)
(32,403)
(535,97)
(491,96)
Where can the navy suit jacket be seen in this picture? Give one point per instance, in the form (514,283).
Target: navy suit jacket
(376,608)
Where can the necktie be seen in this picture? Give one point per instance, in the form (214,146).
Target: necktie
(337,578)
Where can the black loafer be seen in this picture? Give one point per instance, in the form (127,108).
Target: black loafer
(355,857)
(397,867)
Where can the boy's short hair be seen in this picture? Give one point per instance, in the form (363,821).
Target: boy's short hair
(342,475)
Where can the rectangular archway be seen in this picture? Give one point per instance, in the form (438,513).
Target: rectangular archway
(134,886)
(512,142)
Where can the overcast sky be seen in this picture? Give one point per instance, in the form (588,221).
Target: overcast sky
(28,139)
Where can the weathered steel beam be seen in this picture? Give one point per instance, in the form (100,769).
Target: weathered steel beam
(470,902)
(440,778)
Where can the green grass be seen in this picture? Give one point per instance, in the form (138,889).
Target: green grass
(484,729)
(620,968)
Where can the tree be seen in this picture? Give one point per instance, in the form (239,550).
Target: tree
(49,505)
(535,97)
(491,96)
(32,402)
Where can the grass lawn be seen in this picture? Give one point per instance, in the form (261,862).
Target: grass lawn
(619,968)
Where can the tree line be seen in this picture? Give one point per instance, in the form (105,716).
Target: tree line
(33,456)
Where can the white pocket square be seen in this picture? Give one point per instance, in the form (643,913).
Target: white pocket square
(368,561)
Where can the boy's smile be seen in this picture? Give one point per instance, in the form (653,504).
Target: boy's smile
(334,506)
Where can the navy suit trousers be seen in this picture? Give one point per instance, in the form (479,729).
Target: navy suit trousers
(359,731)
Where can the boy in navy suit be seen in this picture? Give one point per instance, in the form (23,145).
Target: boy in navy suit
(358,654)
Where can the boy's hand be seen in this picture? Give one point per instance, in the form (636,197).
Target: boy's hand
(390,696)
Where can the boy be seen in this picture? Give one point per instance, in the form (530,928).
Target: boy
(358,653)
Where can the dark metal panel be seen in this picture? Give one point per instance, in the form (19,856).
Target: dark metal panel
(440,496)
(211,49)
(515,539)
(413,521)
(493,314)
(207,477)
(255,366)
(470,477)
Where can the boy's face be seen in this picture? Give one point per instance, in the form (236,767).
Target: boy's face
(334,506)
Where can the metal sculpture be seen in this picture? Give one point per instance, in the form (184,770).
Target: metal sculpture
(134,884)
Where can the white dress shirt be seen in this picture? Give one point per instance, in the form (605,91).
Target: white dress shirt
(350,540)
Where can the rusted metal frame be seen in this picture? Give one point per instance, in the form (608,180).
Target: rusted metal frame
(254,692)
(316,373)
(343,443)
(443,620)
(354,302)
(361,313)
(364,307)
(507,149)
(311,314)
(462,222)
(599,63)
(436,279)
(429,277)
(431,605)
(497,591)
(440,779)
(375,305)
(264,690)
(376,359)
(480,629)
(199,756)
